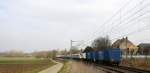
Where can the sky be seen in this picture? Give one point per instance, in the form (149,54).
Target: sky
(32,25)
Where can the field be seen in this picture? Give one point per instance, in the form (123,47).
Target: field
(23,65)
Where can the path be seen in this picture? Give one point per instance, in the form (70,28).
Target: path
(53,69)
(79,67)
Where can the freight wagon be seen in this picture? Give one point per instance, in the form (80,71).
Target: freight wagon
(107,56)
(111,56)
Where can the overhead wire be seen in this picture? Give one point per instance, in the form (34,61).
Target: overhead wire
(133,14)
(127,17)
(134,19)
(108,20)
(136,31)
(126,13)
(137,18)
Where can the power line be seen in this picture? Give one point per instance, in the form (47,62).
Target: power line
(135,19)
(127,18)
(127,13)
(109,19)
(130,15)
(138,30)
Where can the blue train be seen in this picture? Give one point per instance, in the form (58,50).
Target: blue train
(111,56)
(108,56)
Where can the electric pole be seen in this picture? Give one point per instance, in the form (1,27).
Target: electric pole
(71,48)
(71,42)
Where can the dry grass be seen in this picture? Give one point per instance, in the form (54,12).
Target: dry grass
(137,63)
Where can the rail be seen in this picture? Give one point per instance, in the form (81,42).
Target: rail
(122,69)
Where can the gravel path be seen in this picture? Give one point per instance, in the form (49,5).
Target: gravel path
(79,67)
(53,69)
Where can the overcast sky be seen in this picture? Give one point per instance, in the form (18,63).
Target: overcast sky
(31,25)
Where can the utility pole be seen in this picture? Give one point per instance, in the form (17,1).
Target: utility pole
(71,42)
(71,48)
(126,47)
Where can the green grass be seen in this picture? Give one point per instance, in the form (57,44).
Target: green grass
(64,68)
(24,64)
(21,60)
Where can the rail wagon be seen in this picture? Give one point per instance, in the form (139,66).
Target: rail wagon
(88,57)
(93,56)
(100,56)
(108,56)
(112,56)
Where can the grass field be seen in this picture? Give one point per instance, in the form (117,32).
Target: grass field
(23,65)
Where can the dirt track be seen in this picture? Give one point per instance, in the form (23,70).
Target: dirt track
(53,69)
(79,67)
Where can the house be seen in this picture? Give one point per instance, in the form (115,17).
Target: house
(144,48)
(126,46)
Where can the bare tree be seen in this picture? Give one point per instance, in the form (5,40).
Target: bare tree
(101,43)
(63,52)
(52,54)
(45,54)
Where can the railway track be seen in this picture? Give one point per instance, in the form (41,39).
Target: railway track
(134,69)
(116,69)
(121,69)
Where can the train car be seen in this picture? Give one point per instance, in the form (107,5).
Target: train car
(99,57)
(108,56)
(86,54)
(112,56)
(76,56)
(88,57)
(93,56)
(83,56)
